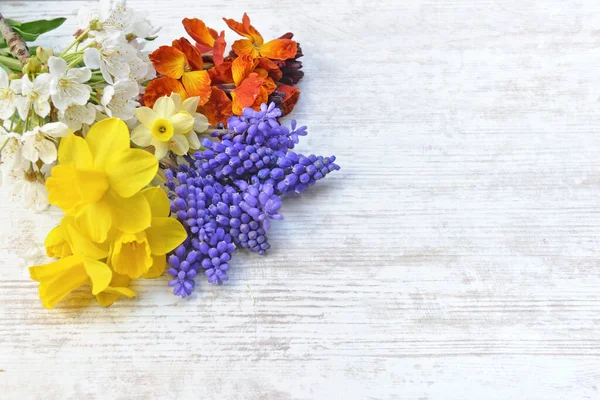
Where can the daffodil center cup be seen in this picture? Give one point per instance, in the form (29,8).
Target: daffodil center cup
(162,129)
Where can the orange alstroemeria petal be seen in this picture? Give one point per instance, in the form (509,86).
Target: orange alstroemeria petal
(246,93)
(219,49)
(193,56)
(245,29)
(168,61)
(267,67)
(221,73)
(199,32)
(279,49)
(290,99)
(244,46)
(241,67)
(218,108)
(197,83)
(160,87)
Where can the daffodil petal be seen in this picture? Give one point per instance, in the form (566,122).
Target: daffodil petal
(141,135)
(179,145)
(200,122)
(91,185)
(118,287)
(94,220)
(61,188)
(129,171)
(81,244)
(106,138)
(165,234)
(158,200)
(146,115)
(190,104)
(99,274)
(193,140)
(131,255)
(59,278)
(56,243)
(131,214)
(73,150)
(164,107)
(160,148)
(182,122)
(158,267)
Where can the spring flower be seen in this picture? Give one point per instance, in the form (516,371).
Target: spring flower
(59,278)
(114,15)
(277,49)
(39,143)
(163,127)
(7,96)
(137,254)
(34,93)
(207,39)
(75,116)
(67,86)
(182,61)
(32,194)
(252,86)
(116,58)
(117,288)
(118,99)
(13,164)
(99,178)
(201,124)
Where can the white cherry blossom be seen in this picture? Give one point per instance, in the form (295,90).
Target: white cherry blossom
(40,143)
(76,116)
(114,15)
(118,99)
(116,58)
(7,96)
(34,93)
(67,86)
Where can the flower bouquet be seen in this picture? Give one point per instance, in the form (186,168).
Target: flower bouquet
(163,160)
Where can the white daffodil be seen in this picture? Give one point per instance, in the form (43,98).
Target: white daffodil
(7,96)
(115,58)
(34,93)
(201,124)
(118,99)
(163,127)
(40,143)
(67,86)
(75,116)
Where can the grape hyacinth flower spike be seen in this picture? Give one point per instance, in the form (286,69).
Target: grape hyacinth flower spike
(227,194)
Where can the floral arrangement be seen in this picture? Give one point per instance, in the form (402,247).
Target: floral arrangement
(164,160)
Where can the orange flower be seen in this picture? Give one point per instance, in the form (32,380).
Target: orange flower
(218,108)
(277,49)
(181,64)
(207,39)
(160,87)
(252,92)
(221,73)
(291,95)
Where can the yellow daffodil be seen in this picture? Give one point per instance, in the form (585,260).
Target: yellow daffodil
(144,252)
(163,127)
(98,181)
(118,287)
(59,278)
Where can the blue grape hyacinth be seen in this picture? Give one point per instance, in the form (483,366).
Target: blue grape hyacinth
(227,193)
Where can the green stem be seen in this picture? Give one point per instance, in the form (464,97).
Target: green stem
(78,40)
(11,63)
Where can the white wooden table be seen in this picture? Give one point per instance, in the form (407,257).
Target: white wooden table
(454,256)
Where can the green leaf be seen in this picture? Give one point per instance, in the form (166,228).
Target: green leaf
(151,38)
(12,22)
(41,26)
(28,37)
(4,67)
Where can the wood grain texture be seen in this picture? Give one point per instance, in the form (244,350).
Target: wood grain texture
(454,256)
